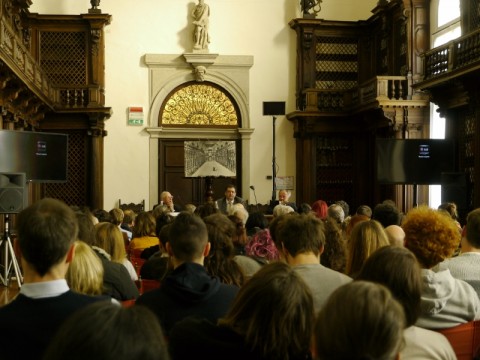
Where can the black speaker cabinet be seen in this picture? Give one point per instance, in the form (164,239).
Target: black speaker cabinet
(454,188)
(274,108)
(13,193)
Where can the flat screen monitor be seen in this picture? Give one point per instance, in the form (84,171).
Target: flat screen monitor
(414,161)
(43,157)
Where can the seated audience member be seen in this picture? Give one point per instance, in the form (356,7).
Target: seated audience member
(85,273)
(366,238)
(364,210)
(396,235)
(108,332)
(262,248)
(320,208)
(336,213)
(283,197)
(240,236)
(188,290)
(239,211)
(346,212)
(334,255)
(303,242)
(128,220)
(219,262)
(305,209)
(167,200)
(354,220)
(256,221)
(158,265)
(386,214)
(451,209)
(360,320)
(446,302)
(280,210)
(466,266)
(45,245)
(117,282)
(102,215)
(190,208)
(117,219)
(225,204)
(109,238)
(397,269)
(206,209)
(144,232)
(271,318)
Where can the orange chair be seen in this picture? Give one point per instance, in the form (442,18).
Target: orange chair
(465,340)
(128,303)
(145,285)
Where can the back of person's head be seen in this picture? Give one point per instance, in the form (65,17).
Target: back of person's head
(345,207)
(85,228)
(473,228)
(261,245)
(336,212)
(334,253)
(256,219)
(395,234)
(320,208)
(386,214)
(397,269)
(366,237)
(360,320)
(219,261)
(206,209)
(354,220)
(102,215)
(364,210)
(116,215)
(273,312)
(304,208)
(302,234)
(239,211)
(109,238)
(450,208)
(282,210)
(144,225)
(161,221)
(109,332)
(128,216)
(163,234)
(46,232)
(85,272)
(431,235)
(188,237)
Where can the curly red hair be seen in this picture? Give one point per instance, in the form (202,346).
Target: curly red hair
(431,235)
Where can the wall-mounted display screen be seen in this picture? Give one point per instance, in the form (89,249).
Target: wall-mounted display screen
(43,157)
(414,161)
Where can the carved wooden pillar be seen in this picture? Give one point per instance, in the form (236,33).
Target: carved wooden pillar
(418,14)
(96,134)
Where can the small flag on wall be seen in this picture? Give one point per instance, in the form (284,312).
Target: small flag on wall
(135,115)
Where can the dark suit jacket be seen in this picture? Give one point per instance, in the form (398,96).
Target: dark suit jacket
(222,203)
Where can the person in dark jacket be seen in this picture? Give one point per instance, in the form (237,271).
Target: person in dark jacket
(188,290)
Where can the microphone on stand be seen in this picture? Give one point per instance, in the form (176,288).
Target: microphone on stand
(256,202)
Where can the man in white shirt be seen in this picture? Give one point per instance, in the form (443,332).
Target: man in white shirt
(46,234)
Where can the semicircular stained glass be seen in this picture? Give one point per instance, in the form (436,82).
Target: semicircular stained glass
(199,105)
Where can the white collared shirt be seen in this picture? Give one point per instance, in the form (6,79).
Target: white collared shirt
(45,289)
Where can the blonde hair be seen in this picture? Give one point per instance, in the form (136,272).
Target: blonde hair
(85,273)
(366,237)
(109,237)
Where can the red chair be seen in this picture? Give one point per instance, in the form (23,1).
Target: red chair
(128,303)
(465,340)
(145,285)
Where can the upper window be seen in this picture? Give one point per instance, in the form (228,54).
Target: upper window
(448,10)
(445,21)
